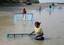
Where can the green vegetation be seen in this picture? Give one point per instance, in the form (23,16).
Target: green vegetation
(35,1)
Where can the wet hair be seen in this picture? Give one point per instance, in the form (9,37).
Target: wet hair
(37,24)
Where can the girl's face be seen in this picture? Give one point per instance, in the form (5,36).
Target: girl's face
(37,25)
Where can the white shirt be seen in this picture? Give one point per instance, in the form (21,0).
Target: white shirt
(38,30)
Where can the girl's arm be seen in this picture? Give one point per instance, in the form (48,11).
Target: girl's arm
(32,32)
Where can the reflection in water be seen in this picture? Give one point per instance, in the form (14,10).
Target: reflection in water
(19,17)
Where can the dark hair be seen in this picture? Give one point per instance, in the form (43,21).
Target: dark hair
(37,24)
(24,11)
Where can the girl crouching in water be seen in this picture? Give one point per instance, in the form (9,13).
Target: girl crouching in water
(38,31)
